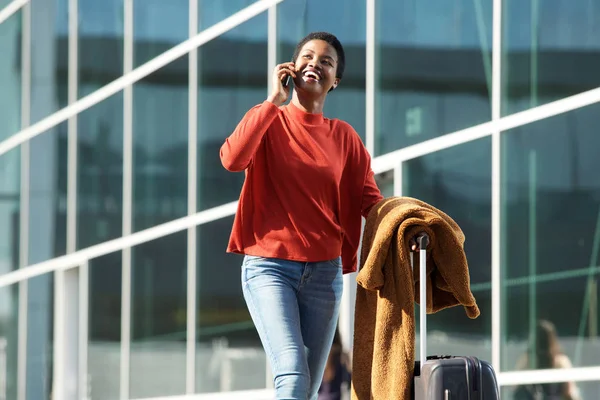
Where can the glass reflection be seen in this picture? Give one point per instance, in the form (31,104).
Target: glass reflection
(295,19)
(157,26)
(458,182)
(100,171)
(576,390)
(433,69)
(10,76)
(104,324)
(100,46)
(9,340)
(385,183)
(212,11)
(226,92)
(159,315)
(160,137)
(229,353)
(551,234)
(549,51)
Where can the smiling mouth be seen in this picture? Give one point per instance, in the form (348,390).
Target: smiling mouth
(312,75)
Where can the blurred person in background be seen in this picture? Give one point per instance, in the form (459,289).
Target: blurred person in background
(337,376)
(547,353)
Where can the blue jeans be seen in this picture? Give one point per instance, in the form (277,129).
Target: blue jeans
(295,307)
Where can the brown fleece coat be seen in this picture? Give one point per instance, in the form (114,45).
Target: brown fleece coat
(384,328)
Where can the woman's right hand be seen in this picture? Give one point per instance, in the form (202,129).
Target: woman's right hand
(281,93)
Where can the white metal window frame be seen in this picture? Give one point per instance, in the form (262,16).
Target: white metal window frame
(390,161)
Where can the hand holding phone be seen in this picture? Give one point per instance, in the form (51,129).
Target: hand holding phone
(281,82)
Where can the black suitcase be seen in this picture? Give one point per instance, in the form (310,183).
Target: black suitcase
(448,377)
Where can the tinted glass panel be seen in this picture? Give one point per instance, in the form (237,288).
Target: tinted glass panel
(227,90)
(296,19)
(551,238)
(212,11)
(458,182)
(158,317)
(160,137)
(49,57)
(549,51)
(9,340)
(100,171)
(10,76)
(100,41)
(157,26)
(433,72)
(578,390)
(104,344)
(227,339)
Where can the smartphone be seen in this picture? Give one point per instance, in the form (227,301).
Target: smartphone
(286,80)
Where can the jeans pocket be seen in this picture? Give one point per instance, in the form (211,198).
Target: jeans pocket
(336,262)
(251,268)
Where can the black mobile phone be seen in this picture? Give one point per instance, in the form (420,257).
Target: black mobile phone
(286,80)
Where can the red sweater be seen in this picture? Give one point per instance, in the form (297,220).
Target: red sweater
(308,181)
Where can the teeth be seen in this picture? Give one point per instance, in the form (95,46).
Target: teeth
(312,75)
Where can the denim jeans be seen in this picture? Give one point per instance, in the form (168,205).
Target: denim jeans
(295,308)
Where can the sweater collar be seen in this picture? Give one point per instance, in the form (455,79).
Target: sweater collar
(303,116)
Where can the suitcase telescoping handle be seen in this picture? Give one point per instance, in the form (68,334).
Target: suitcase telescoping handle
(423,241)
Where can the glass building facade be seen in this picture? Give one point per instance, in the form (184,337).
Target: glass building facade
(115,210)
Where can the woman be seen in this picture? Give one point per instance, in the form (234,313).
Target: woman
(336,378)
(546,353)
(308,180)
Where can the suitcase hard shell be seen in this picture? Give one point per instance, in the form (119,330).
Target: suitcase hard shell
(448,377)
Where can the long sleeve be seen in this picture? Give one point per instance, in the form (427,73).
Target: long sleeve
(371,194)
(239,148)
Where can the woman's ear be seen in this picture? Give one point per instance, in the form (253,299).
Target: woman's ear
(336,82)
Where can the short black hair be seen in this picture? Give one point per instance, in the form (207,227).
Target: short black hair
(333,41)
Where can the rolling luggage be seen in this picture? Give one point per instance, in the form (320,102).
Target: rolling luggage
(448,377)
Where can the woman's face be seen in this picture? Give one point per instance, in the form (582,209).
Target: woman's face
(316,67)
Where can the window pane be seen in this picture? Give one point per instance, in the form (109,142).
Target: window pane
(104,324)
(227,339)
(296,19)
(586,390)
(10,76)
(549,51)
(158,317)
(551,236)
(40,336)
(458,182)
(9,340)
(226,92)
(433,69)
(212,11)
(385,183)
(49,57)
(160,137)
(100,43)
(158,25)
(100,171)
(10,207)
